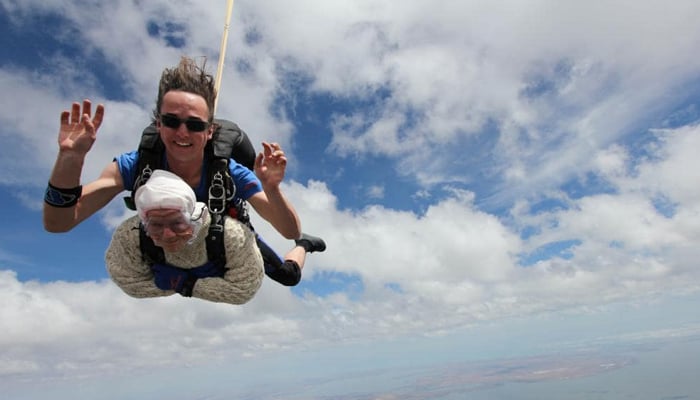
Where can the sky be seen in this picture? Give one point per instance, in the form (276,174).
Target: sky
(493,180)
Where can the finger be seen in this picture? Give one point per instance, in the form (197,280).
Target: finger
(99,115)
(75,113)
(268,151)
(259,161)
(90,128)
(64,117)
(87,107)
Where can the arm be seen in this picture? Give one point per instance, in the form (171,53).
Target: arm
(125,265)
(75,139)
(244,268)
(95,195)
(271,203)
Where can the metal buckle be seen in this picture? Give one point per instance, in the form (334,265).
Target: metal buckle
(217,193)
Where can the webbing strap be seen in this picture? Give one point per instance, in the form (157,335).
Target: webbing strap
(216,251)
(151,151)
(150,253)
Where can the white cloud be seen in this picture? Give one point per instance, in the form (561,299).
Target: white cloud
(459,66)
(375,192)
(93,325)
(456,258)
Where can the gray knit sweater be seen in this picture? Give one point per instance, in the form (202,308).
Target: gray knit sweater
(244,265)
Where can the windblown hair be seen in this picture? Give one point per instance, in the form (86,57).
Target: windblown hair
(187,76)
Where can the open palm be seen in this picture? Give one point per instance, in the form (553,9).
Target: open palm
(79,129)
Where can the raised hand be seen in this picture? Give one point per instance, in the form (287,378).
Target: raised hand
(79,129)
(270,164)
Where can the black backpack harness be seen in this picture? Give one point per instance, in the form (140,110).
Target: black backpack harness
(228,141)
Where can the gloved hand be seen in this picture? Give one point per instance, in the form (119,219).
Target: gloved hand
(208,270)
(167,277)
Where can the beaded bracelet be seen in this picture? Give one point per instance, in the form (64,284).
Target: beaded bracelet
(62,198)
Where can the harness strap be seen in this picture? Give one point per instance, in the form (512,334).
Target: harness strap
(235,144)
(150,253)
(151,151)
(221,187)
(216,251)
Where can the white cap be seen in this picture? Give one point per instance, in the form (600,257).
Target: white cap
(165,190)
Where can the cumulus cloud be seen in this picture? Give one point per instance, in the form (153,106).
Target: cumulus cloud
(59,328)
(454,263)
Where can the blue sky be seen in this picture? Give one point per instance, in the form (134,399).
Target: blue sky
(504,170)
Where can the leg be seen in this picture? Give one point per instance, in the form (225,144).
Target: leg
(297,254)
(287,271)
(305,244)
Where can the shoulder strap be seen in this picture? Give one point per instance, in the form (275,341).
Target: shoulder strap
(220,194)
(150,253)
(150,158)
(216,249)
(230,141)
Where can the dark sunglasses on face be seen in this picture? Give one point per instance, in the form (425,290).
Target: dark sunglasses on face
(192,124)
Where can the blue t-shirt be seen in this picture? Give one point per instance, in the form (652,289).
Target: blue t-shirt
(247,184)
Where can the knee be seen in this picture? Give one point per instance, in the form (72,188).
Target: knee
(290,273)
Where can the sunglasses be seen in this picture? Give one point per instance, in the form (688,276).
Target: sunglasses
(192,124)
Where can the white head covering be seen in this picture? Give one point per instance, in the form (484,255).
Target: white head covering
(167,190)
